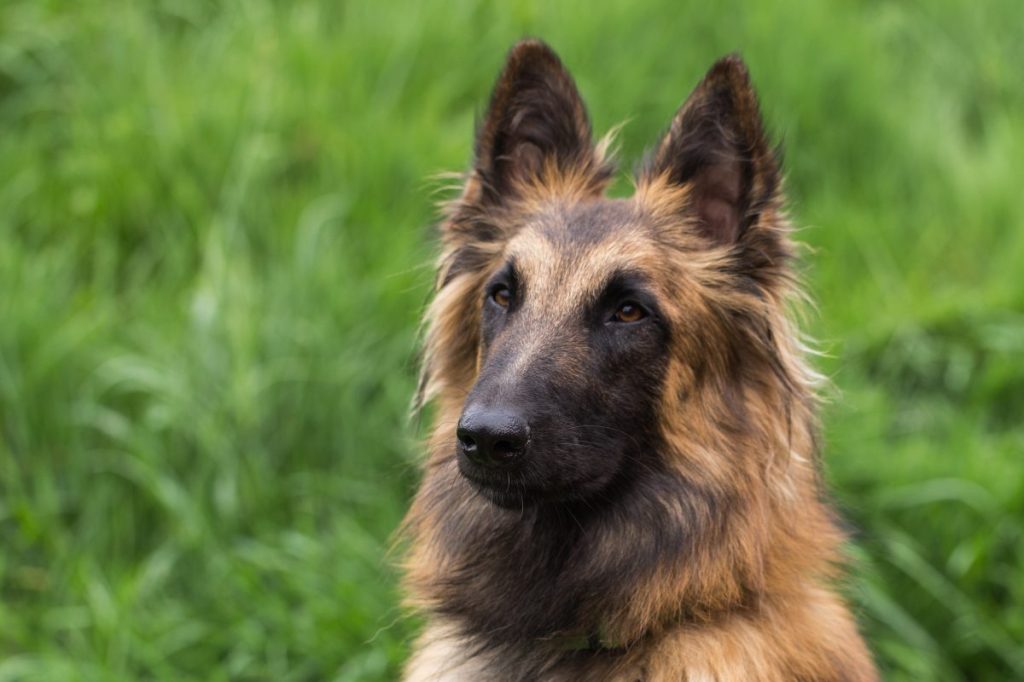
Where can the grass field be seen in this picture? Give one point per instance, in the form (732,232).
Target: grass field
(214,237)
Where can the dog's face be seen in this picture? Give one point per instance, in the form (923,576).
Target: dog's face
(573,323)
(573,345)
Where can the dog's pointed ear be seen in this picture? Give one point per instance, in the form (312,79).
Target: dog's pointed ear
(536,124)
(716,148)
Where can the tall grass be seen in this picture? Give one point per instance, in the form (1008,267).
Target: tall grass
(214,247)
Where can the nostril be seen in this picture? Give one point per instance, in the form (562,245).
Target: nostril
(465,439)
(506,449)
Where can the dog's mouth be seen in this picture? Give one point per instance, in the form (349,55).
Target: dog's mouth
(513,496)
(514,489)
(506,489)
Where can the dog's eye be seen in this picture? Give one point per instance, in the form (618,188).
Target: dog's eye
(502,296)
(629,312)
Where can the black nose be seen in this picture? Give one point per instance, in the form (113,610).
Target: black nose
(492,437)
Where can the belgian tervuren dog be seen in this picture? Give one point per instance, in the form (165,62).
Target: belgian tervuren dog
(622,480)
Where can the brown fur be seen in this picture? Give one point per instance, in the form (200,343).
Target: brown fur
(720,563)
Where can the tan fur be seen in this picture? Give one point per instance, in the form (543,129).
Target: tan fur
(758,604)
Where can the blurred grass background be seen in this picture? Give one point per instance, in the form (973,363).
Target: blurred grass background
(214,238)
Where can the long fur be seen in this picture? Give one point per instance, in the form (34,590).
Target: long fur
(718,561)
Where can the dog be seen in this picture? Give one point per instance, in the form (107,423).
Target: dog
(622,480)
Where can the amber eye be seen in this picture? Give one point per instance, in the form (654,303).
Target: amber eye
(629,312)
(502,296)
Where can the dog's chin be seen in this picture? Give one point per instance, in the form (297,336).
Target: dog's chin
(509,490)
(509,497)
(504,490)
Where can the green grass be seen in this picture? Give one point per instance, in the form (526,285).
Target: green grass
(214,238)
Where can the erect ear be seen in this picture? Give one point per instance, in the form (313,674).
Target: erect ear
(536,124)
(716,146)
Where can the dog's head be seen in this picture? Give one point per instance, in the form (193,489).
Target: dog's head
(576,335)
(625,428)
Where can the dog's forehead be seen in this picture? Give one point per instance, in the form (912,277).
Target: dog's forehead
(586,224)
(570,251)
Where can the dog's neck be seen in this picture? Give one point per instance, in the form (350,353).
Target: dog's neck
(808,635)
